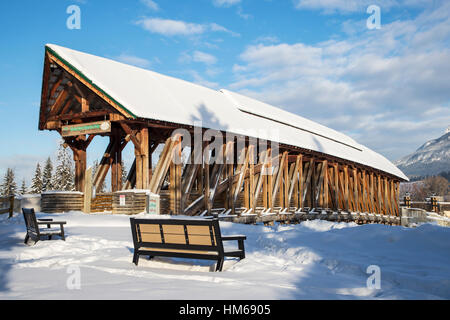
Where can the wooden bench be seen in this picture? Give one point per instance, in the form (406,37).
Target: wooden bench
(194,239)
(34,231)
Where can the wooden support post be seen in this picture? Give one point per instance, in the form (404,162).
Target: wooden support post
(216,173)
(371,193)
(313,185)
(390,197)
(230,175)
(190,174)
(116,160)
(207,183)
(270,185)
(262,179)
(397,197)
(376,208)
(286,185)
(175,179)
(241,171)
(294,184)
(364,191)
(278,182)
(87,191)
(355,190)
(265,186)
(162,167)
(318,185)
(341,202)
(300,184)
(309,168)
(379,192)
(346,190)
(78,146)
(336,186)
(385,200)
(252,202)
(325,185)
(103,167)
(247,190)
(266,167)
(144,158)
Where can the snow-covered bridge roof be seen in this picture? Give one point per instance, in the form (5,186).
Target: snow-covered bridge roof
(150,95)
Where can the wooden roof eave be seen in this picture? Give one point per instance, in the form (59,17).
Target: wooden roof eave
(53,57)
(44,92)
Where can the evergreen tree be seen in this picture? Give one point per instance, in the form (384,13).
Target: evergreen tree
(64,177)
(36,183)
(47,176)
(124,174)
(8,187)
(23,188)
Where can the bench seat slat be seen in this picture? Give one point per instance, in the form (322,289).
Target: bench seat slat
(179,251)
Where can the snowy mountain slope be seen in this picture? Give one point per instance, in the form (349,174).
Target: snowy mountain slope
(312,260)
(431,158)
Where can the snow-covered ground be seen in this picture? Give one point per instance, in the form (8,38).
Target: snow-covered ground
(312,260)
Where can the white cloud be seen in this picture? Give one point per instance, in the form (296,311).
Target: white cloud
(151,4)
(133,60)
(349,6)
(225,3)
(218,28)
(198,56)
(267,39)
(206,58)
(240,13)
(168,27)
(376,86)
(213,71)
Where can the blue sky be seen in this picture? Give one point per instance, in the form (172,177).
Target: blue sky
(388,88)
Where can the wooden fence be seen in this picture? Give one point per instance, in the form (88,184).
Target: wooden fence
(438,207)
(7,205)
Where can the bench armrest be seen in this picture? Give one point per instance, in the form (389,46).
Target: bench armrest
(234,237)
(51,222)
(240,239)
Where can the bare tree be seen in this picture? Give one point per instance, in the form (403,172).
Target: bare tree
(416,190)
(437,185)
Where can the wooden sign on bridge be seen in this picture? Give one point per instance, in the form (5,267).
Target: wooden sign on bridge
(86,128)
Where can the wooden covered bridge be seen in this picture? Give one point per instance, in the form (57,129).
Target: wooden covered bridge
(269,162)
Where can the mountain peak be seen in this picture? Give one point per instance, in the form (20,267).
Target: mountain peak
(432,158)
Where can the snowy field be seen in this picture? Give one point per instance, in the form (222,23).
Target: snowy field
(312,260)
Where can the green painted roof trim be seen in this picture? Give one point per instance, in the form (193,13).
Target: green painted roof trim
(68,64)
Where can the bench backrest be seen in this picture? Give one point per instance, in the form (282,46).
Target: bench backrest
(30,221)
(200,235)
